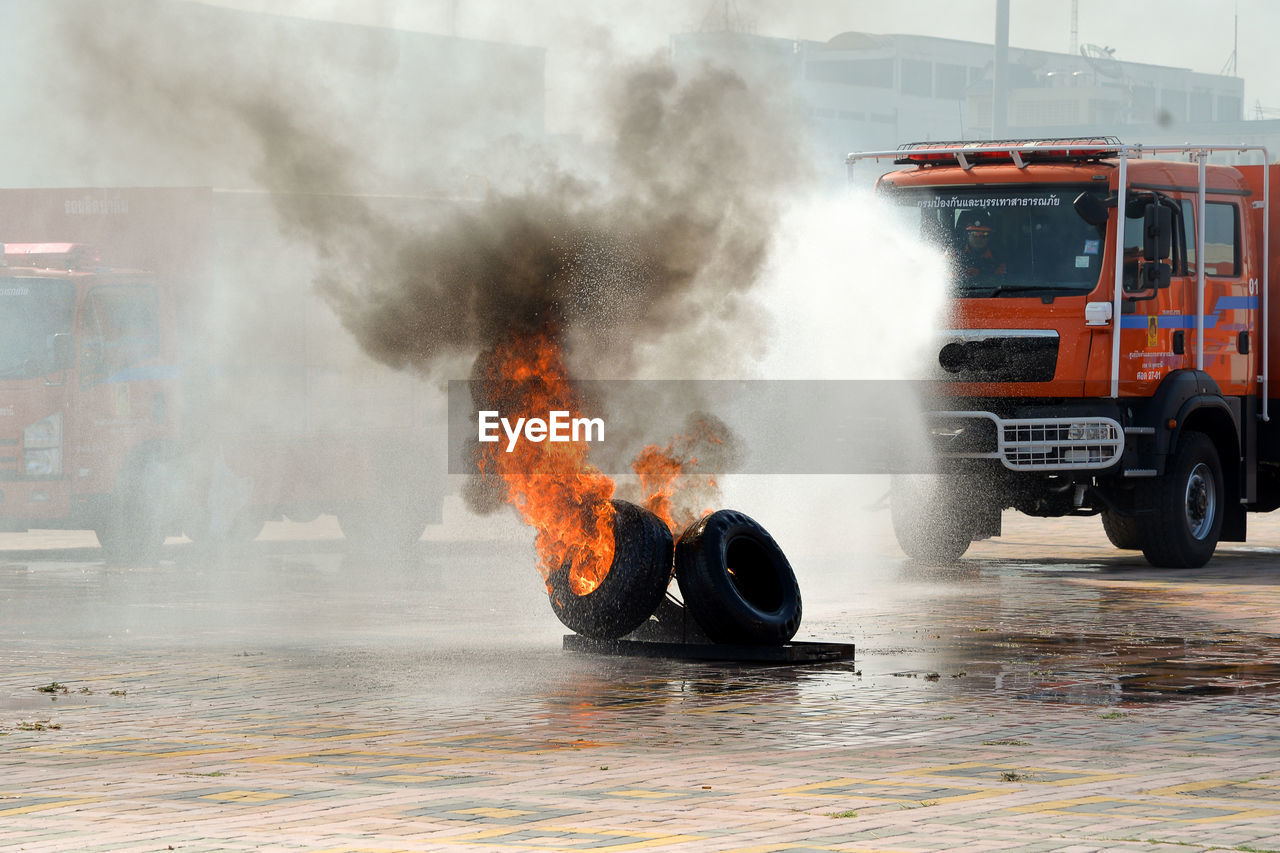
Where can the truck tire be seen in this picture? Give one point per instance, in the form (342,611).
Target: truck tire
(378,529)
(1183,528)
(1122,530)
(634,587)
(137,516)
(246,527)
(930,517)
(736,582)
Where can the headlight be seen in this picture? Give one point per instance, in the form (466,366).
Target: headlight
(42,447)
(1089,432)
(46,432)
(42,463)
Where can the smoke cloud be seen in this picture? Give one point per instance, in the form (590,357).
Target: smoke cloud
(437,235)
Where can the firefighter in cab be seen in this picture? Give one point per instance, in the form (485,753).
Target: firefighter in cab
(976,257)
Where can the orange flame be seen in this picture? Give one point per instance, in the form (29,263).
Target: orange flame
(665,470)
(550,484)
(553,486)
(659,469)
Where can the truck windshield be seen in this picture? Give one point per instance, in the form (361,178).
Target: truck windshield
(32,311)
(1007,240)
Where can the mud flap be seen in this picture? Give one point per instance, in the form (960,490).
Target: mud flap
(1234,522)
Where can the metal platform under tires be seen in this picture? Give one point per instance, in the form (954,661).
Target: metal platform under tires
(786,653)
(671,633)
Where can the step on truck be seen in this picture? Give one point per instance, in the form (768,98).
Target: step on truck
(1107,344)
(166,368)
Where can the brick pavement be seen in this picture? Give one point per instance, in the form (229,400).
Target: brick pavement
(293,699)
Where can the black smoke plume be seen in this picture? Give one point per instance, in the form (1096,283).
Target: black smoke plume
(642,243)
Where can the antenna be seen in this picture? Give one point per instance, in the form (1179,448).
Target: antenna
(725,17)
(1075,25)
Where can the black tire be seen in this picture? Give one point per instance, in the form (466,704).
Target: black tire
(1182,530)
(246,527)
(138,514)
(1122,530)
(379,529)
(736,582)
(931,518)
(634,587)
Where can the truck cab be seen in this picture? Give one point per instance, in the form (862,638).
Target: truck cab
(87,388)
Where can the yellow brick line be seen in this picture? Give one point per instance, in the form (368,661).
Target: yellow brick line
(303,733)
(814,790)
(96,747)
(40,807)
(492,812)
(397,760)
(364,850)
(644,839)
(1064,807)
(244,796)
(1184,789)
(1076,779)
(782,848)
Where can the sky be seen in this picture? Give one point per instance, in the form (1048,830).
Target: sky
(1197,34)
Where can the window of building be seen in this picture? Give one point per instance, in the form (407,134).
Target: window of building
(917,78)
(1174,103)
(876,73)
(1144,104)
(949,81)
(1201,106)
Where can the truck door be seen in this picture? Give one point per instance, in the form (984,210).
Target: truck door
(1230,303)
(1158,329)
(122,402)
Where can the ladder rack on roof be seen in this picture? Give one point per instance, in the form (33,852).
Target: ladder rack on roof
(1017,151)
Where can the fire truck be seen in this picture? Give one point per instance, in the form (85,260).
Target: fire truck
(166,368)
(1106,349)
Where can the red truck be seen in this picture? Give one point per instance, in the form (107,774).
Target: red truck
(1107,348)
(166,368)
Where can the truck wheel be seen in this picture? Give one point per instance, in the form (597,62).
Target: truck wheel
(1122,530)
(246,526)
(632,590)
(1182,532)
(137,520)
(376,529)
(736,582)
(931,520)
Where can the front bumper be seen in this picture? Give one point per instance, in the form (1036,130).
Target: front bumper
(1041,444)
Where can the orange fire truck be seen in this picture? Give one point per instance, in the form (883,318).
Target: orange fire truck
(1107,348)
(166,368)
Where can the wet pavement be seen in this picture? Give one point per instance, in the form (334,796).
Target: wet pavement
(1047,693)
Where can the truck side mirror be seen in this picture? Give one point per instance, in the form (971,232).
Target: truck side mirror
(1157,232)
(1157,275)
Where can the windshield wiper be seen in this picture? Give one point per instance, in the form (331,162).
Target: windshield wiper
(996,290)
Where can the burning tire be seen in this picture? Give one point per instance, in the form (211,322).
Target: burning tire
(736,582)
(632,590)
